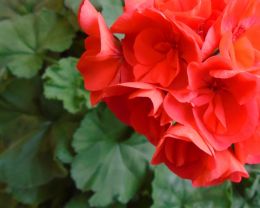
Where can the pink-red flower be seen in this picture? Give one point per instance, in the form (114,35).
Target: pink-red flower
(157,48)
(185,75)
(185,152)
(103,60)
(240,28)
(197,14)
(236,34)
(223,102)
(138,105)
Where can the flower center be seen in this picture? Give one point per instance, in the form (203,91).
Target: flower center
(215,85)
(238,32)
(163,47)
(201,30)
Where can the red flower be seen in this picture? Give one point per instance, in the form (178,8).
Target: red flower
(248,151)
(157,48)
(185,75)
(240,30)
(236,35)
(138,105)
(185,152)
(221,103)
(102,60)
(197,14)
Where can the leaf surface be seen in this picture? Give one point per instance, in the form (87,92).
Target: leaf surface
(33,35)
(111,161)
(63,82)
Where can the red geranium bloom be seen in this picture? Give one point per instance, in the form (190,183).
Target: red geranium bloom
(138,105)
(157,48)
(197,14)
(221,103)
(185,152)
(236,35)
(248,151)
(240,30)
(185,75)
(103,60)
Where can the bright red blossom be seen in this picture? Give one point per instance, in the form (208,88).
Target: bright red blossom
(138,105)
(103,57)
(223,104)
(197,14)
(184,151)
(185,75)
(236,34)
(156,47)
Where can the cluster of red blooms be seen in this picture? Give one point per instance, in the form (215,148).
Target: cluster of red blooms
(186,75)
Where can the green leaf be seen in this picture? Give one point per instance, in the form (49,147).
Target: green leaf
(73,5)
(37,195)
(7,200)
(25,40)
(51,109)
(79,201)
(63,82)
(4,79)
(12,8)
(107,7)
(27,158)
(169,191)
(32,196)
(29,162)
(18,109)
(62,136)
(247,193)
(110,161)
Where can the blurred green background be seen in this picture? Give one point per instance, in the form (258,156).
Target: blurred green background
(55,149)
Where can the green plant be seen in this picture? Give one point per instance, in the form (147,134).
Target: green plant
(56,150)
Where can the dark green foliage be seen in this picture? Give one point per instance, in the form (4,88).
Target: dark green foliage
(55,149)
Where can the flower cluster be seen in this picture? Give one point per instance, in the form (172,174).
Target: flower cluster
(186,75)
